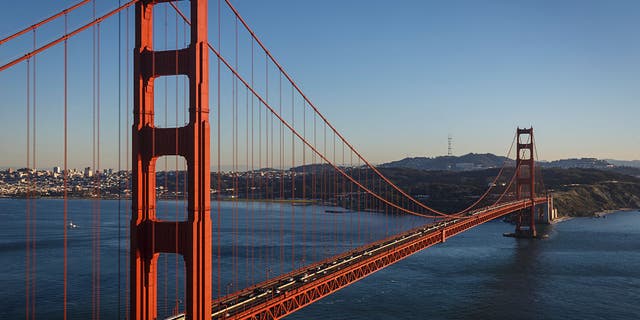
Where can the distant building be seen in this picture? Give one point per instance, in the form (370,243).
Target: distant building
(57,170)
(465,166)
(87,172)
(588,163)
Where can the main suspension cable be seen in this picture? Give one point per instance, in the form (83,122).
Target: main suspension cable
(71,34)
(64,13)
(368,164)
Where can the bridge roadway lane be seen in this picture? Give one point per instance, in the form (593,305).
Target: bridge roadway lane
(285,294)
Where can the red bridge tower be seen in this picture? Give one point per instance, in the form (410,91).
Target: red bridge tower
(149,235)
(525,182)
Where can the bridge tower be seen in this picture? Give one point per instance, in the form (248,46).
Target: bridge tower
(149,235)
(525,182)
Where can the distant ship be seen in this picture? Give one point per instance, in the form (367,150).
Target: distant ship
(72,225)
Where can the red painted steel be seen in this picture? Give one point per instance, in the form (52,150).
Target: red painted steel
(149,235)
(525,181)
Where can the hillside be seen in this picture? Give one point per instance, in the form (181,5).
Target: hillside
(585,200)
(577,192)
(471,161)
(625,163)
(583,192)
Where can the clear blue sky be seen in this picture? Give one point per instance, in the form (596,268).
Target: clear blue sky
(418,71)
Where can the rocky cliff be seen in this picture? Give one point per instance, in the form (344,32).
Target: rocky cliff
(585,200)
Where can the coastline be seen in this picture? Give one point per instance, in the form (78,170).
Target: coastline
(599,214)
(602,214)
(562,219)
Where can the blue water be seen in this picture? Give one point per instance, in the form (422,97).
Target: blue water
(586,268)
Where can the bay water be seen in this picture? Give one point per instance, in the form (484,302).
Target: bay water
(584,269)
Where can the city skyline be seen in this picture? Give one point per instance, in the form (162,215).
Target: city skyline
(427,70)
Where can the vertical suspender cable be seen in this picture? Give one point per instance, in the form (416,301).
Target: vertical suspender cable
(343,188)
(253,175)
(304,176)
(247,178)
(126,152)
(263,253)
(93,165)
(353,206)
(293,183)
(344,202)
(65,181)
(358,197)
(98,168)
(282,177)
(336,196)
(119,144)
(267,181)
(235,166)
(314,194)
(219,172)
(323,189)
(27,201)
(34,218)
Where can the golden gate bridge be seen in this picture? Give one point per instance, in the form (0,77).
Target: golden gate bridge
(236,110)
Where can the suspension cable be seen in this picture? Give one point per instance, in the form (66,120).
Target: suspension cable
(313,148)
(71,34)
(45,21)
(368,164)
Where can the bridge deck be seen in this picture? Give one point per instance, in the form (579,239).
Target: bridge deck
(278,297)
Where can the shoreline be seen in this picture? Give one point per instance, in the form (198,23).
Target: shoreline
(604,213)
(599,214)
(562,219)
